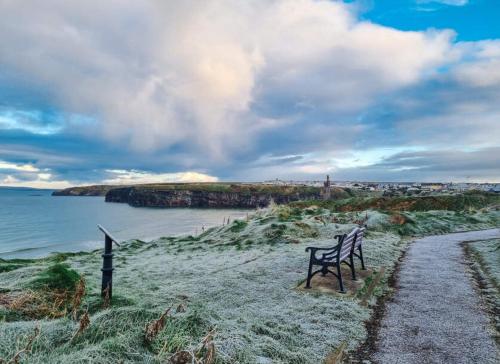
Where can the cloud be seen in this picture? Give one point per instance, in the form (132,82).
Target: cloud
(18,167)
(482,66)
(27,175)
(454,108)
(30,121)
(10,181)
(445,2)
(120,177)
(157,74)
(443,165)
(238,90)
(32,180)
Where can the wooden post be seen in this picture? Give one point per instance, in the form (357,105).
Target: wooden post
(107,263)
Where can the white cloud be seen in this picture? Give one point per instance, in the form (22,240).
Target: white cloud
(459,108)
(120,177)
(205,85)
(31,177)
(44,176)
(37,181)
(481,67)
(10,180)
(18,167)
(446,2)
(317,165)
(27,175)
(162,73)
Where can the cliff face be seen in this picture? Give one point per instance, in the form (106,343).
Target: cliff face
(223,194)
(199,198)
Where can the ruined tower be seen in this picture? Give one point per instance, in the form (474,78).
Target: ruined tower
(327,189)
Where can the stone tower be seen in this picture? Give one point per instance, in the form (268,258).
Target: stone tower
(327,189)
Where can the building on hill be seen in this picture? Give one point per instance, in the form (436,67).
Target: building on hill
(326,191)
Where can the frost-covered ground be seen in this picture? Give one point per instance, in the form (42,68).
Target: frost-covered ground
(436,315)
(239,278)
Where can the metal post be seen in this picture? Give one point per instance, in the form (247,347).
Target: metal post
(107,267)
(107,263)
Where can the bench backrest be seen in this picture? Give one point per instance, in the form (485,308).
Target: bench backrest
(359,237)
(347,244)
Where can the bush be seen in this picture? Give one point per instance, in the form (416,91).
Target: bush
(275,232)
(57,277)
(180,331)
(458,202)
(9,267)
(238,225)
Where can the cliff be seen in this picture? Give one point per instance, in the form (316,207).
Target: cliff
(210,195)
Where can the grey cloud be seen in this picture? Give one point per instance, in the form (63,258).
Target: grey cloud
(222,85)
(156,74)
(436,165)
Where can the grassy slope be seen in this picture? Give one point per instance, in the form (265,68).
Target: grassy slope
(489,251)
(239,278)
(486,260)
(95,190)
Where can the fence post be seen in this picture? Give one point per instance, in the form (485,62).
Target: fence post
(107,263)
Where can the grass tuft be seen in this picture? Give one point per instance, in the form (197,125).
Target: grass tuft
(238,226)
(57,277)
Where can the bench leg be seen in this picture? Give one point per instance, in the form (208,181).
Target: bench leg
(361,257)
(353,271)
(309,272)
(339,276)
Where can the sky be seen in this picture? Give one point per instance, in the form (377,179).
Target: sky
(127,91)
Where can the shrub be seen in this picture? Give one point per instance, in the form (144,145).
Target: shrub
(275,232)
(9,267)
(238,225)
(57,277)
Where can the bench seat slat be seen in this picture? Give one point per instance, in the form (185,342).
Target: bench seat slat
(359,237)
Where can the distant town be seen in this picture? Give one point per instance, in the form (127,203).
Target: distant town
(394,188)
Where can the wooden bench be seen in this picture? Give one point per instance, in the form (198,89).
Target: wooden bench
(357,249)
(348,246)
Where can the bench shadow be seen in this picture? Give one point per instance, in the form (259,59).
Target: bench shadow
(329,283)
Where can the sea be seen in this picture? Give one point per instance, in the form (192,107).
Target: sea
(34,224)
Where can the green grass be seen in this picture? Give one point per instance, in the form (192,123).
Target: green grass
(485,256)
(238,225)
(56,277)
(231,187)
(9,267)
(488,254)
(180,331)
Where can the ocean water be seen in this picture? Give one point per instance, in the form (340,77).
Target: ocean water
(33,223)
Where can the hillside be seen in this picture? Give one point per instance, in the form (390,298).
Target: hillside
(95,190)
(236,283)
(455,202)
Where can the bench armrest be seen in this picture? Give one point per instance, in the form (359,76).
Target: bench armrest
(339,237)
(314,249)
(330,253)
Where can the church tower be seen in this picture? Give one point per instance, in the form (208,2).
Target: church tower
(327,189)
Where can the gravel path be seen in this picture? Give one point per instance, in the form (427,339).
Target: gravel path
(435,315)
